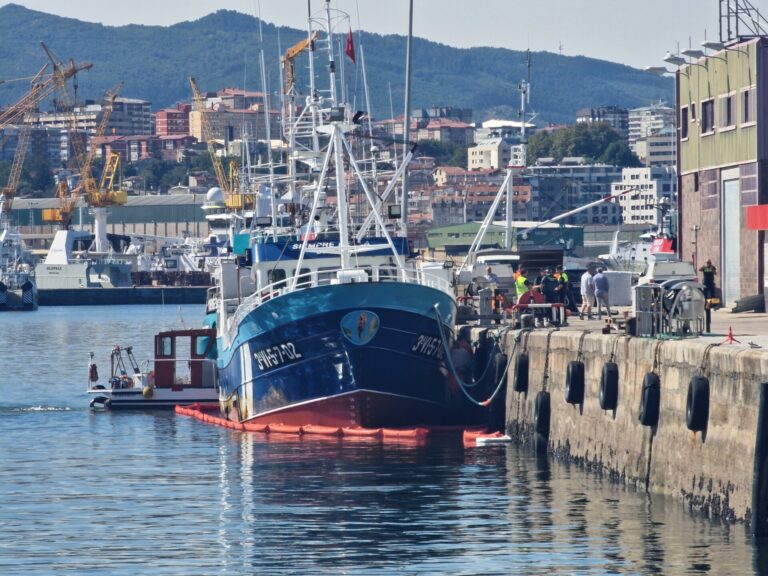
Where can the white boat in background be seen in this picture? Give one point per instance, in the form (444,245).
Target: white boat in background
(17,286)
(182,372)
(635,256)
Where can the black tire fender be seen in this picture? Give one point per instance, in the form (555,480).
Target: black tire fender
(521,373)
(542,413)
(697,404)
(609,386)
(574,382)
(499,367)
(650,400)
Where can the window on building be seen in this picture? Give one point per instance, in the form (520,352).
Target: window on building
(684,122)
(727,119)
(693,111)
(748,109)
(708,117)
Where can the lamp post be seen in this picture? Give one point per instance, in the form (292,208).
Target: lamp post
(695,229)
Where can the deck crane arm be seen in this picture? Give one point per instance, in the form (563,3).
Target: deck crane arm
(207,133)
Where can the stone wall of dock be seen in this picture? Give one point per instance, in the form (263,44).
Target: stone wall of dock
(713,471)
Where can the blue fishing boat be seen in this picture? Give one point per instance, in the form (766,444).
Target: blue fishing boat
(332,321)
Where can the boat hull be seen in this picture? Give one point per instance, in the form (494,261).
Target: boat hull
(367,354)
(163,398)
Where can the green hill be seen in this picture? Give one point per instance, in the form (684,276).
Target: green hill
(222,49)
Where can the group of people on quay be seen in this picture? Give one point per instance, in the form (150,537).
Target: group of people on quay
(553,284)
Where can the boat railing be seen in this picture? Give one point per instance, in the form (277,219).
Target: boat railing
(339,276)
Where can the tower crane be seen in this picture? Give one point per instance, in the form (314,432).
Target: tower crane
(207,132)
(42,85)
(95,196)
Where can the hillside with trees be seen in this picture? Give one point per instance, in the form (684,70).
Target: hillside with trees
(222,50)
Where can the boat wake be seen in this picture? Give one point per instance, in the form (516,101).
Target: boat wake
(18,409)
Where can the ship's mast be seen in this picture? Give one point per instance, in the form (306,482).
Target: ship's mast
(406,124)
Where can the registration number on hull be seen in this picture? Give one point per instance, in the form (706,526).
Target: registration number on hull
(277,355)
(428,346)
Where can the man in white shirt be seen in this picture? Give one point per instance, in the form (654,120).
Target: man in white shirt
(490,276)
(587,293)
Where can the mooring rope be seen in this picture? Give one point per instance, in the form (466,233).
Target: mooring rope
(464,385)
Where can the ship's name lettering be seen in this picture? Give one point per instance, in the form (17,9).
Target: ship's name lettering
(277,355)
(314,245)
(428,346)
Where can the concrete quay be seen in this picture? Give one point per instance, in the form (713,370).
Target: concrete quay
(720,470)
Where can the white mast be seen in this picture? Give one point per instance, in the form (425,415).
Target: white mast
(406,124)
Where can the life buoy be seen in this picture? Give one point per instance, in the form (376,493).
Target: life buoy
(650,400)
(521,373)
(697,404)
(574,382)
(609,386)
(541,414)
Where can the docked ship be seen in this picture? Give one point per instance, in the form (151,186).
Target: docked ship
(331,322)
(17,285)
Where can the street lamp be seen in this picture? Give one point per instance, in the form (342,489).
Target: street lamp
(658,70)
(674,60)
(693,53)
(718,46)
(695,229)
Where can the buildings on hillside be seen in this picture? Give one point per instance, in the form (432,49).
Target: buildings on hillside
(648,120)
(615,116)
(654,194)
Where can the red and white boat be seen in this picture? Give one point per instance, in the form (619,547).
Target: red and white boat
(183,371)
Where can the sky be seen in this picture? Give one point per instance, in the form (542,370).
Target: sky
(633,32)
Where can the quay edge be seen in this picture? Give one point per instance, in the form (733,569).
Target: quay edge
(721,471)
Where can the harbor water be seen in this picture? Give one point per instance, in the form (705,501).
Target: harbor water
(85,492)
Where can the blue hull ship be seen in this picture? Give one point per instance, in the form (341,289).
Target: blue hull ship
(358,354)
(326,317)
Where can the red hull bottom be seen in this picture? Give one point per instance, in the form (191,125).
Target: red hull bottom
(357,409)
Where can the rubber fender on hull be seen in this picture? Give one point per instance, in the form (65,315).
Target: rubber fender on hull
(574,382)
(542,412)
(521,373)
(697,404)
(650,400)
(609,386)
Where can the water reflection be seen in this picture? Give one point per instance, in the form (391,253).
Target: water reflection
(126,494)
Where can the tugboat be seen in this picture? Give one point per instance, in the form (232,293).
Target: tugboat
(183,371)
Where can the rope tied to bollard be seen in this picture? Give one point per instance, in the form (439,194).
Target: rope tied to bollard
(581,343)
(464,385)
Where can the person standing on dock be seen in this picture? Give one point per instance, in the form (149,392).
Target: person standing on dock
(587,293)
(602,293)
(708,272)
(522,284)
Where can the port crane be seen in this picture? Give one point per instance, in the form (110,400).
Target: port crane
(98,196)
(42,85)
(228,186)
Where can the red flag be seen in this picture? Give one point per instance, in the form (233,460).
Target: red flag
(350,49)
